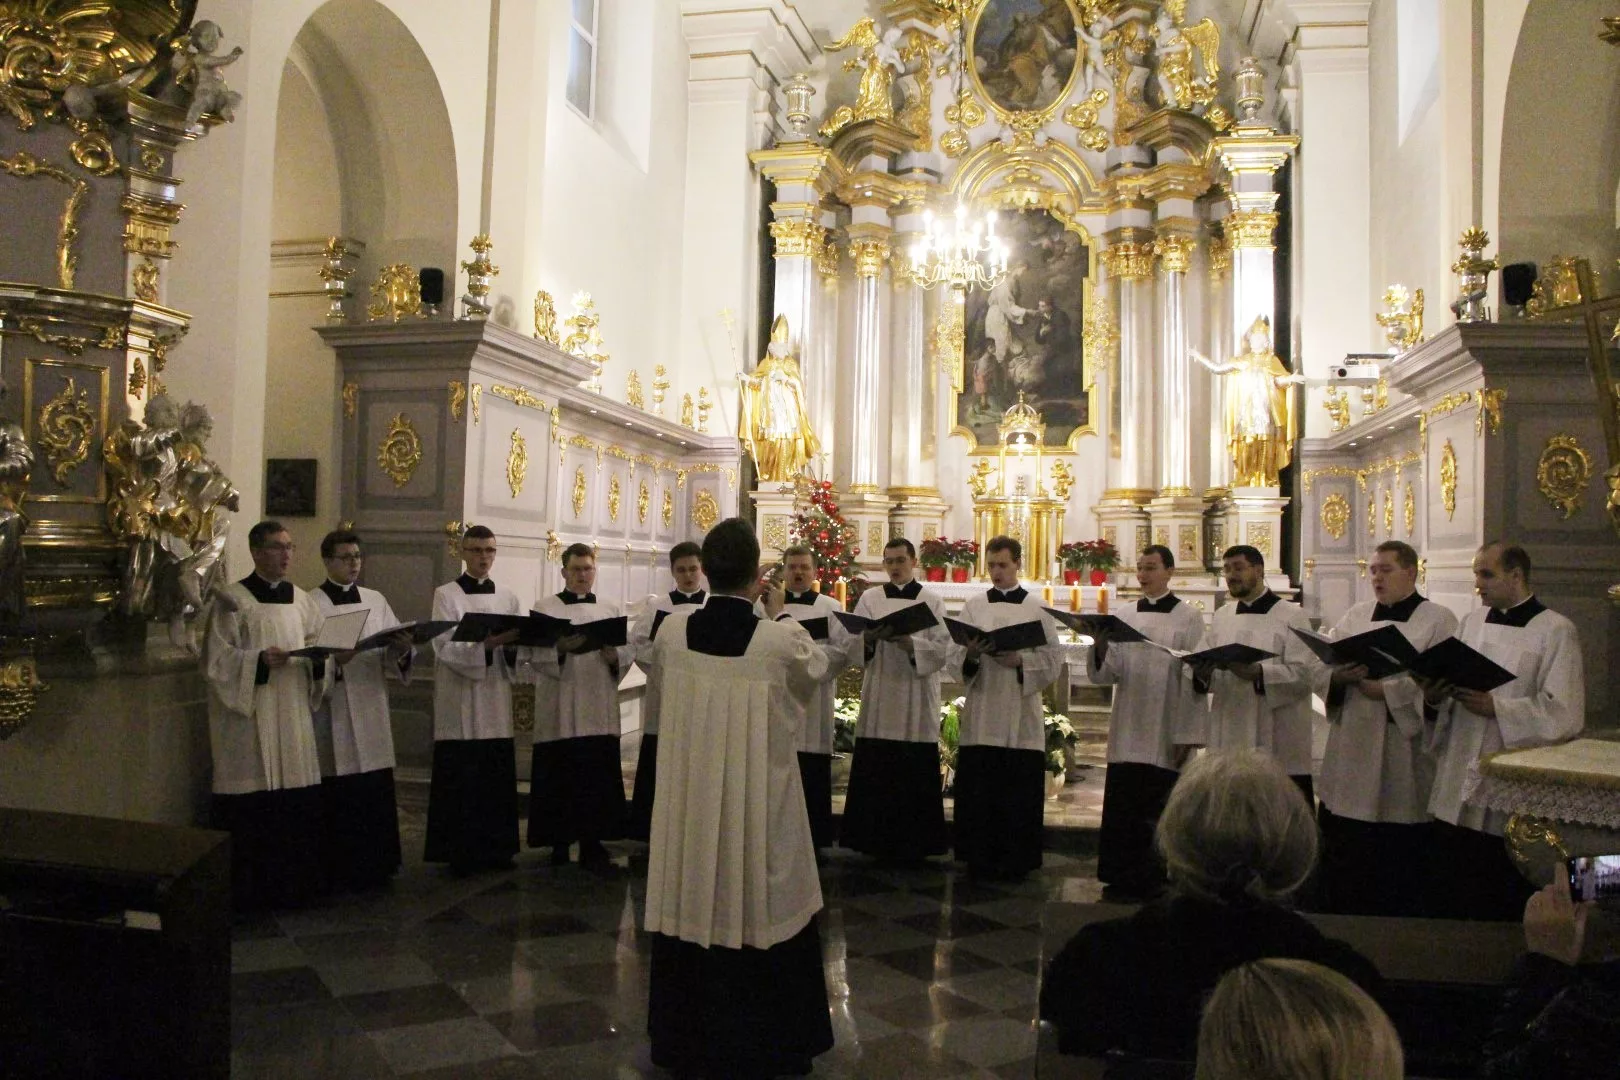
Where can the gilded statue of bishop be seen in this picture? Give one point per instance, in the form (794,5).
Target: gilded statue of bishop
(1259,408)
(772,421)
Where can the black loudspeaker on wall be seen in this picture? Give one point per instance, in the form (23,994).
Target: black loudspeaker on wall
(1518,279)
(432,281)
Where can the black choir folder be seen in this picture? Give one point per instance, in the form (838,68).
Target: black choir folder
(1456,663)
(1119,631)
(1003,639)
(540,631)
(1383,652)
(816,628)
(1224,655)
(421,633)
(338,633)
(906,620)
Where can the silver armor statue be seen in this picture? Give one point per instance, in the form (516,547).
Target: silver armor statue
(16,462)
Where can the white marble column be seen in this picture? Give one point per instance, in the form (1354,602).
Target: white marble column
(1219,343)
(1174,250)
(908,347)
(870,253)
(1129,262)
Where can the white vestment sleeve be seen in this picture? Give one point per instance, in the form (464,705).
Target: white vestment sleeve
(808,665)
(465,658)
(232,664)
(1288,678)
(1190,725)
(1042,665)
(1556,709)
(641,639)
(931,648)
(310,612)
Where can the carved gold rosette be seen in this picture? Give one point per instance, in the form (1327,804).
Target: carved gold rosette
(400,451)
(1448,479)
(705,511)
(1563,473)
(517,463)
(66,428)
(1335,515)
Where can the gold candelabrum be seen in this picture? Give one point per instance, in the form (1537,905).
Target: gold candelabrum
(1011,496)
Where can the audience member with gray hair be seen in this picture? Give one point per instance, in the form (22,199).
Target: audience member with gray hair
(1295,1020)
(1238,841)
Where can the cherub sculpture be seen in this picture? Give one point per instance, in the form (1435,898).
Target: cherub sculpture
(196,69)
(879,61)
(1180,87)
(1096,68)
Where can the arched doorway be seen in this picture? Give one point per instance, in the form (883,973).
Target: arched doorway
(364,151)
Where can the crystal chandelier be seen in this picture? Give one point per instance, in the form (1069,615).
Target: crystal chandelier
(959,252)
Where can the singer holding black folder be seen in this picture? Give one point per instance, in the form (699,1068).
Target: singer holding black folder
(576,788)
(1376,774)
(1001,760)
(1471,873)
(686,567)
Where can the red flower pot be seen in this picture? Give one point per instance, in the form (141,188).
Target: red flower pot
(1099,577)
(959,574)
(934,573)
(1071,577)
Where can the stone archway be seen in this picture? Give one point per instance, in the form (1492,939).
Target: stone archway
(364,151)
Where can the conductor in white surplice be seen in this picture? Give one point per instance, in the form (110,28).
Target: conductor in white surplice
(736,984)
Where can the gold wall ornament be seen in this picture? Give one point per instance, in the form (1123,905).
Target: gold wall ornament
(1423,571)
(143,280)
(457,391)
(775,532)
(1251,228)
(1557,286)
(1335,515)
(643,500)
(20,685)
(703,407)
(950,337)
(613,494)
(1174,251)
(400,451)
(1389,512)
(632,390)
(545,317)
(112,337)
(1337,404)
(1563,473)
(396,294)
(916,113)
(137,377)
(554,546)
(705,510)
(478,403)
(797,237)
(1308,477)
(1219,256)
(1086,116)
(584,338)
(26,166)
(151,158)
(873,100)
(827,260)
(1062,479)
(1372,515)
(517,463)
(1409,509)
(453,531)
(1402,317)
(1129,261)
(1257,534)
(870,254)
(1099,338)
(65,428)
(1489,402)
(351,399)
(953,143)
(519,396)
(579,491)
(1448,479)
(686,410)
(668,514)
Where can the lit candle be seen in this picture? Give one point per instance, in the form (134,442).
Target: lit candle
(1102,599)
(815,585)
(1074,598)
(841,592)
(1046,595)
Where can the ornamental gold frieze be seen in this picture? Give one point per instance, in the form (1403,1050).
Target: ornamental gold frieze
(1309,477)
(26,166)
(111,338)
(708,467)
(797,237)
(1563,473)
(1129,260)
(519,396)
(1251,228)
(870,254)
(1174,250)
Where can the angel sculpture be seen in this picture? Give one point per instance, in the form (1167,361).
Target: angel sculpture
(196,69)
(1179,85)
(878,63)
(1259,421)
(1096,68)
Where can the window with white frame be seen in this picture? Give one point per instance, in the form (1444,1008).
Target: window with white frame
(582,56)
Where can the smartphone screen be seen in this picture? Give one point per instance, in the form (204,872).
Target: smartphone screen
(1594,877)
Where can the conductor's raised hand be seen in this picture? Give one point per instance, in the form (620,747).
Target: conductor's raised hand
(773,596)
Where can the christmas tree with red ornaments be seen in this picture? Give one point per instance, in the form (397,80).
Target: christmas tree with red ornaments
(820,526)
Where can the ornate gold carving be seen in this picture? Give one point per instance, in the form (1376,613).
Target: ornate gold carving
(517,395)
(66,428)
(481,273)
(151,158)
(1423,571)
(1310,568)
(137,377)
(1086,116)
(1337,404)
(517,463)
(27,166)
(523,695)
(1389,512)
(1308,477)
(396,294)
(827,262)
(613,494)
(874,536)
(545,317)
(1563,473)
(453,531)
(579,491)
(112,337)
(705,510)
(478,403)
(1174,251)
(632,390)
(584,338)
(1402,317)
(799,237)
(1335,515)
(950,337)
(19,686)
(1062,479)
(554,546)
(1489,402)
(660,386)
(1251,228)
(643,500)
(1525,833)
(1409,509)
(400,451)
(1099,338)
(869,254)
(1219,256)
(458,399)
(686,411)
(775,531)
(1258,535)
(1129,261)
(1557,286)
(703,407)
(144,280)
(351,399)
(1448,479)
(1186,543)
(1372,515)
(873,100)
(954,143)
(668,514)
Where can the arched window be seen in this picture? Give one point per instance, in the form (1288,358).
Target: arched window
(582,57)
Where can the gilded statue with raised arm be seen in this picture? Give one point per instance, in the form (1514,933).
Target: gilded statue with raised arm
(879,61)
(1259,420)
(772,421)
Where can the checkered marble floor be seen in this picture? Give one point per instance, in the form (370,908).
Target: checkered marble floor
(542,972)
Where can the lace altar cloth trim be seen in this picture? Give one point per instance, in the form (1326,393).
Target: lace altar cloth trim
(1555,802)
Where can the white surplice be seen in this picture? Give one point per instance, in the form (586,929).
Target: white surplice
(472,694)
(1376,767)
(900,691)
(1545,704)
(580,695)
(352,726)
(1276,717)
(816,728)
(641,647)
(1155,708)
(1003,706)
(262,735)
(731,861)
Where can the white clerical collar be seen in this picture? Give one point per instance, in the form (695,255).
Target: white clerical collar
(1156,599)
(336,584)
(1520,604)
(267,581)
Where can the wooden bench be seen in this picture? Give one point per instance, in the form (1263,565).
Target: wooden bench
(1445,981)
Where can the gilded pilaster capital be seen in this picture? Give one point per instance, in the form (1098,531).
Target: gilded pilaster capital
(1220,257)
(869,253)
(1251,228)
(1129,260)
(798,237)
(1174,250)
(827,260)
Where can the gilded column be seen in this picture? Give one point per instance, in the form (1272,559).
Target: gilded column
(870,252)
(1128,262)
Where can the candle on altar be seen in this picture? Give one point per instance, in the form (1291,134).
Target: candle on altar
(815,585)
(840,593)
(1074,598)
(1102,599)
(1046,595)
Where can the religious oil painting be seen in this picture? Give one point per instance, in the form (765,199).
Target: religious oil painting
(1024,52)
(289,487)
(1024,335)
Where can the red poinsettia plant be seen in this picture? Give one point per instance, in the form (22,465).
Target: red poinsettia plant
(964,552)
(820,525)
(935,552)
(1075,554)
